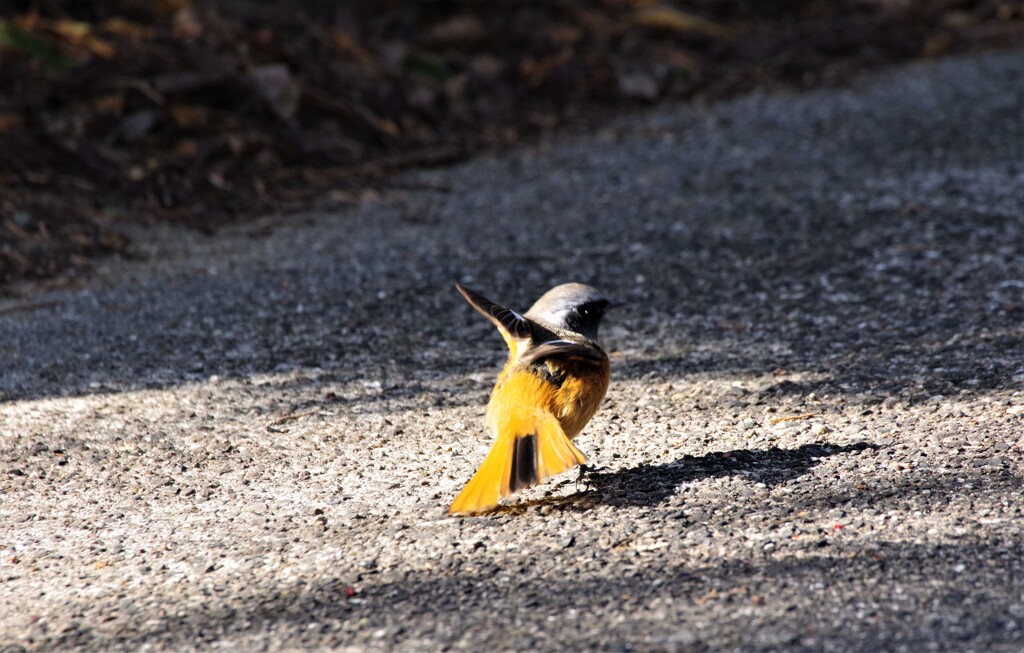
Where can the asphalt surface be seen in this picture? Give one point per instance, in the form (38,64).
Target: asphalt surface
(813,441)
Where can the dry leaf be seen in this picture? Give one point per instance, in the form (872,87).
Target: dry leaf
(790,418)
(537,71)
(671,19)
(80,34)
(122,27)
(71,30)
(187,148)
(348,46)
(563,34)
(189,116)
(457,31)
(113,103)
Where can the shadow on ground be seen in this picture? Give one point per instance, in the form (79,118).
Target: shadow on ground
(911,329)
(749,601)
(649,485)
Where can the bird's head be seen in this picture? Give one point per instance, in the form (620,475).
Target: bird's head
(573,307)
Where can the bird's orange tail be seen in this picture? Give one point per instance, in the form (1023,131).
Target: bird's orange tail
(531,446)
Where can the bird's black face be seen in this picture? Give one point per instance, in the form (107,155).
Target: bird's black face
(572,307)
(586,318)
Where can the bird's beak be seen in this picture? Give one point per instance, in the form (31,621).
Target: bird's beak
(614,303)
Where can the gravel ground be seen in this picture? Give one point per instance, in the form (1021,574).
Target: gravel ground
(248,442)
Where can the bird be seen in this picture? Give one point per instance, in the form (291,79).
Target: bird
(552,384)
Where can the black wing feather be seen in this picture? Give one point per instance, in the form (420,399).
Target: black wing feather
(563,348)
(503,317)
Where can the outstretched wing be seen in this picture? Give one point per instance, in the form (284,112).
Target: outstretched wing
(512,325)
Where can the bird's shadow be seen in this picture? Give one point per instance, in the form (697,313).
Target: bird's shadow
(650,485)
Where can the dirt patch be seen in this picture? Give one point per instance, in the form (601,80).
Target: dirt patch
(115,112)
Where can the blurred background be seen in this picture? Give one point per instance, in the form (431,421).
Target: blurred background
(207,113)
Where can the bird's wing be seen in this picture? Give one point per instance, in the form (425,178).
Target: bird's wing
(564,349)
(512,325)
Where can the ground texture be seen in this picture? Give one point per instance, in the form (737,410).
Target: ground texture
(248,442)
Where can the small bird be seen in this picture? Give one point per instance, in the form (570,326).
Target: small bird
(554,380)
